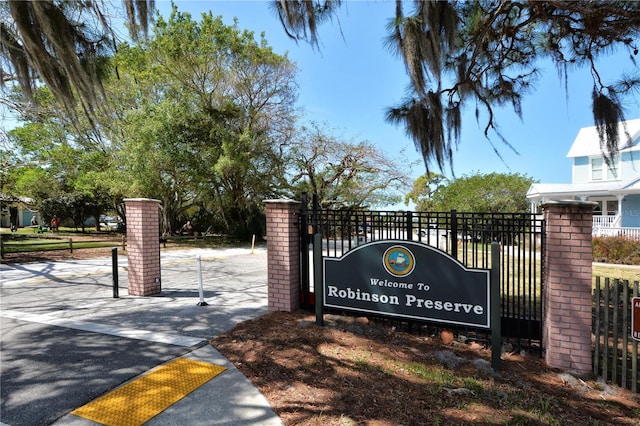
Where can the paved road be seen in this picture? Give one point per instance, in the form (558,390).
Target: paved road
(66,339)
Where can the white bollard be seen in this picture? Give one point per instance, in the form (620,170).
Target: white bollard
(201,302)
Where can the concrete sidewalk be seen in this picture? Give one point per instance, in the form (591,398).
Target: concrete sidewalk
(70,306)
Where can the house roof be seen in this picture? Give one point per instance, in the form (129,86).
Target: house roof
(12,199)
(587,142)
(590,189)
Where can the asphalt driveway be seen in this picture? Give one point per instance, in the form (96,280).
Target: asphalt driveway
(66,339)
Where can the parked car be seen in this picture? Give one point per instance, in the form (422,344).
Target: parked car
(364,228)
(424,231)
(110,223)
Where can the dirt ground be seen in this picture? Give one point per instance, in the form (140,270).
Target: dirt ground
(356,371)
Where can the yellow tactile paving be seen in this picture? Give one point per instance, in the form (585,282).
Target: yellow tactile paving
(138,401)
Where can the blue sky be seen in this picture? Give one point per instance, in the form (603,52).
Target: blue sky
(349,83)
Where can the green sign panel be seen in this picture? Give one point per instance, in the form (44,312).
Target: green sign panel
(410,280)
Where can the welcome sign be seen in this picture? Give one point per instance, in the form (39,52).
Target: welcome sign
(410,280)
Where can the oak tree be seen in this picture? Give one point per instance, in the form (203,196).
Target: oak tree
(482,193)
(345,174)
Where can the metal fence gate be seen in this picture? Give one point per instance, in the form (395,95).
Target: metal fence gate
(616,355)
(465,236)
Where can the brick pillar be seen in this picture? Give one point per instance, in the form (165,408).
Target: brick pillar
(283,255)
(143,246)
(567,291)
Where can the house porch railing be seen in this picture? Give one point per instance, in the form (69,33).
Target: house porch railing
(631,233)
(604,221)
(609,226)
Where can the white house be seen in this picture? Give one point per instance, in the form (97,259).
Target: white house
(615,187)
(16,211)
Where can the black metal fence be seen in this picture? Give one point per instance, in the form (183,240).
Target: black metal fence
(465,236)
(616,355)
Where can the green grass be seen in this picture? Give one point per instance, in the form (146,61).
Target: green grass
(27,240)
(207,241)
(623,272)
(61,231)
(46,244)
(616,271)
(437,376)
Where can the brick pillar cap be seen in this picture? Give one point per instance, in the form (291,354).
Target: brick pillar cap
(133,200)
(281,201)
(571,203)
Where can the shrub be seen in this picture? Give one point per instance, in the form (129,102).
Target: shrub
(619,250)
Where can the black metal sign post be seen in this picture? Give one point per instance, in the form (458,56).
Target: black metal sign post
(496,326)
(317,278)
(114,271)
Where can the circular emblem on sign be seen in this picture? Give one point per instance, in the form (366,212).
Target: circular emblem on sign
(399,261)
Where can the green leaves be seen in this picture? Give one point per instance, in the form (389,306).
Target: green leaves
(493,192)
(199,114)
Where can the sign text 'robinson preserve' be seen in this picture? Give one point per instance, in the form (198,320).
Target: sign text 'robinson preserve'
(410,280)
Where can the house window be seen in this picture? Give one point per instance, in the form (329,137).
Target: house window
(601,171)
(597,210)
(605,207)
(596,168)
